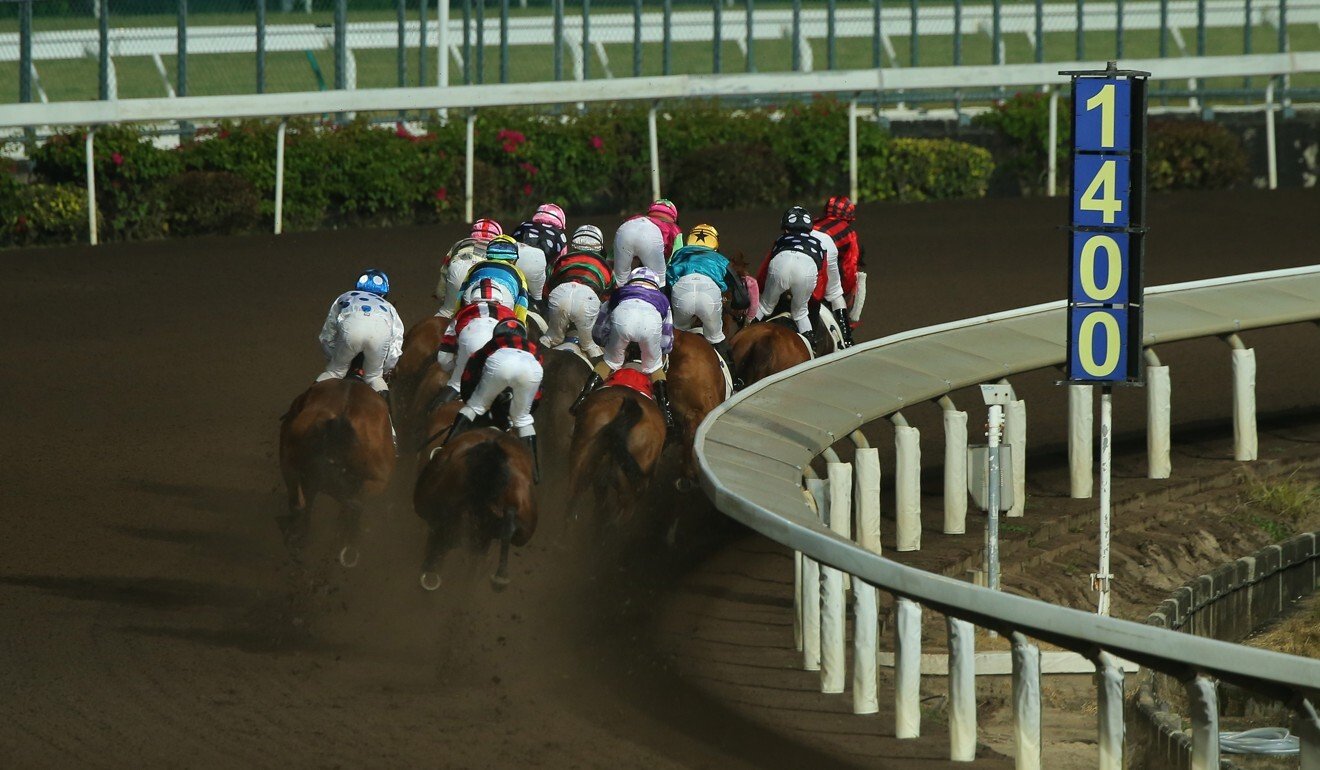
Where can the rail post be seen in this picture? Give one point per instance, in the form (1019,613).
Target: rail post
(401,37)
(751,39)
(558,6)
(504,41)
(866,629)
(797,36)
(834,618)
(468,159)
(653,141)
(1118,29)
(876,7)
(1244,399)
(962,690)
(1026,702)
(103,51)
(341,45)
(914,47)
(481,39)
(852,149)
(442,66)
(717,37)
(1015,436)
(1203,702)
(811,589)
(907,668)
(1158,417)
(1081,30)
(907,484)
(1308,731)
(89,151)
(1271,154)
(637,38)
(1052,173)
(955,467)
(1109,711)
(667,37)
(1081,441)
(1040,30)
(181,47)
(279,176)
(586,39)
(25,51)
(831,55)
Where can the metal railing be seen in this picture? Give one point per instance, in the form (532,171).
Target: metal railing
(848,84)
(755,449)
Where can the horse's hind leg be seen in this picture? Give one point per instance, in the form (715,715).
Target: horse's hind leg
(350,525)
(436,545)
(294,525)
(500,580)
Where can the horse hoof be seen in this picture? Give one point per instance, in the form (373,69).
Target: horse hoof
(430,581)
(499,582)
(349,556)
(683,484)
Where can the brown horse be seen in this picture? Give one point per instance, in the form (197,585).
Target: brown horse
(696,386)
(480,484)
(767,348)
(617,442)
(420,344)
(335,439)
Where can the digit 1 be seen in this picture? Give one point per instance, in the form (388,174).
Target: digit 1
(1104,99)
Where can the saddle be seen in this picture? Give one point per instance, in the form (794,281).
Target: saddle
(634,379)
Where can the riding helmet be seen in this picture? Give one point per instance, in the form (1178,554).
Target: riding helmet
(485,229)
(841,207)
(644,275)
(509,326)
(374,281)
(796,220)
(704,235)
(550,214)
(664,209)
(589,238)
(502,248)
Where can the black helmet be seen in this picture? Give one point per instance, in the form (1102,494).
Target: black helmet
(796,220)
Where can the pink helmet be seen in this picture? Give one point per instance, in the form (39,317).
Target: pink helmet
(485,229)
(550,214)
(664,209)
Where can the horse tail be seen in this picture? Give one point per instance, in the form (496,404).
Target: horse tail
(612,444)
(487,475)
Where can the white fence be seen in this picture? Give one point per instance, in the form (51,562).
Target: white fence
(471,98)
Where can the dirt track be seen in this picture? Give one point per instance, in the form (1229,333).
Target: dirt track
(148,620)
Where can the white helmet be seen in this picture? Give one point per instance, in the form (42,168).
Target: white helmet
(645,274)
(589,238)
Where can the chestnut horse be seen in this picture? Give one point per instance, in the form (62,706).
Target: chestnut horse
(617,441)
(767,348)
(335,439)
(420,344)
(696,386)
(480,484)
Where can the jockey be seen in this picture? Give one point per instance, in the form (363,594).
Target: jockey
(649,238)
(361,321)
(796,261)
(497,278)
(579,282)
(540,242)
(698,277)
(467,333)
(460,257)
(512,361)
(837,223)
(637,312)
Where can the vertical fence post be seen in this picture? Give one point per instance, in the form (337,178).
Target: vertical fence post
(1244,400)
(876,7)
(469,156)
(586,39)
(865,631)
(637,38)
(852,149)
(810,597)
(467,41)
(1109,712)
(558,6)
(481,37)
(907,668)
(261,46)
(955,468)
(1052,152)
(797,36)
(401,37)
(1040,30)
(1271,153)
(751,39)
(1200,27)
(443,63)
(1081,441)
(1015,436)
(997,31)
(279,177)
(962,690)
(914,47)
(341,44)
(504,41)
(103,50)
(831,55)
(1081,29)
(957,31)
(181,48)
(89,152)
(907,485)
(834,618)
(25,51)
(1308,731)
(1118,29)
(1026,702)
(1283,45)
(1159,464)
(1203,702)
(717,42)
(1247,29)
(654,141)
(667,37)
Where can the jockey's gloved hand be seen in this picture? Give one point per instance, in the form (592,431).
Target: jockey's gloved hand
(845,328)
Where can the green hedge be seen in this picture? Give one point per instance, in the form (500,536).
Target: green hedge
(1194,155)
(222,180)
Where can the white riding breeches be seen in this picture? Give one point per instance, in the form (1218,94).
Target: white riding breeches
(576,305)
(635,320)
(698,302)
(531,261)
(793,272)
(368,334)
(638,239)
(473,338)
(516,370)
(452,281)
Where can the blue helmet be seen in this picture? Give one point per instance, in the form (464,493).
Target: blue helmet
(502,248)
(374,281)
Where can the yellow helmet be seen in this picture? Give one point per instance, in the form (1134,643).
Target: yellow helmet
(704,235)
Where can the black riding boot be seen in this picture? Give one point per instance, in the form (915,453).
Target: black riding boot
(845,327)
(461,423)
(445,395)
(810,334)
(661,390)
(536,459)
(726,352)
(592,382)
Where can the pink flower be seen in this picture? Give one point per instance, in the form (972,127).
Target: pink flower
(527,189)
(442,194)
(597,143)
(511,139)
(116,159)
(529,168)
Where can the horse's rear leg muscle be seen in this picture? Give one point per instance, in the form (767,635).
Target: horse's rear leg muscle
(500,580)
(350,524)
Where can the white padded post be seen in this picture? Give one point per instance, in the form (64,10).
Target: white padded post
(907,668)
(907,484)
(955,472)
(1026,702)
(1081,441)
(867,498)
(833,620)
(1308,732)
(962,691)
(811,592)
(1015,435)
(1158,414)
(1244,404)
(866,630)
(1109,711)
(1203,702)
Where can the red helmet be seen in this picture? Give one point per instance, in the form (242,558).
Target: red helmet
(485,229)
(841,207)
(550,214)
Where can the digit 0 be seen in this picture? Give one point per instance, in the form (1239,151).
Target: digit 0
(1113,271)
(1108,326)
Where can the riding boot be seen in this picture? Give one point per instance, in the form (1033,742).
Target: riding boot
(592,382)
(726,352)
(661,390)
(394,437)
(530,441)
(810,334)
(461,423)
(845,328)
(445,395)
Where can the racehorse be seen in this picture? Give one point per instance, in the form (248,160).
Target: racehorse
(335,439)
(767,348)
(420,344)
(479,484)
(696,386)
(617,441)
